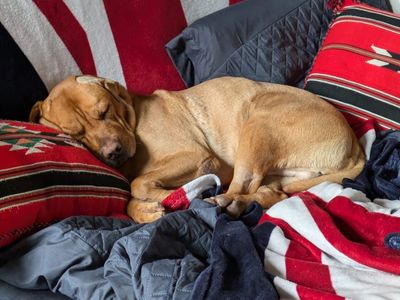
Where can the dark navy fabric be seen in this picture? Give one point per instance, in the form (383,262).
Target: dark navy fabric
(20,85)
(381,4)
(273,41)
(236,269)
(380,177)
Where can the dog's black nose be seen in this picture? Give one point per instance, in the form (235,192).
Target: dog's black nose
(114,155)
(112,150)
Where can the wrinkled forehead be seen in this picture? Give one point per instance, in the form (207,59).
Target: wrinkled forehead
(92,97)
(84,97)
(67,104)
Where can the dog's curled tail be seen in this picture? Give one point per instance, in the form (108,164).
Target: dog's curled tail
(351,171)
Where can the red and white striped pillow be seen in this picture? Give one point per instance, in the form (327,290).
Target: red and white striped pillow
(358,66)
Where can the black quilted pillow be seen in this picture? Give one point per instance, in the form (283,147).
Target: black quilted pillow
(273,41)
(264,40)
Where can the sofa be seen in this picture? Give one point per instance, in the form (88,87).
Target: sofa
(64,232)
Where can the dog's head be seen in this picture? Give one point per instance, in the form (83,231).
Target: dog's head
(96,111)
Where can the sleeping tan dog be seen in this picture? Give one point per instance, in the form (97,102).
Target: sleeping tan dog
(264,140)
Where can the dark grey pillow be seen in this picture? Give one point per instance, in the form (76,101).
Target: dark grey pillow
(264,40)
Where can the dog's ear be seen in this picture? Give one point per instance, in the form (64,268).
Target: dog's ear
(89,79)
(112,86)
(118,90)
(36,112)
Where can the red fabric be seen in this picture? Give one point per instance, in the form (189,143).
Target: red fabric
(141,29)
(338,5)
(362,128)
(308,293)
(303,260)
(234,1)
(70,31)
(46,176)
(176,201)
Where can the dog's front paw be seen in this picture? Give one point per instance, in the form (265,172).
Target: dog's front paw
(230,204)
(145,211)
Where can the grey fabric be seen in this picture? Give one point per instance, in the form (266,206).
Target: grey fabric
(264,40)
(9,292)
(381,4)
(105,258)
(67,257)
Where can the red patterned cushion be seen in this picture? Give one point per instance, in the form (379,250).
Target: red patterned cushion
(46,176)
(358,66)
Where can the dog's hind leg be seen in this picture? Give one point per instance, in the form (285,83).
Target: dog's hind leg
(255,157)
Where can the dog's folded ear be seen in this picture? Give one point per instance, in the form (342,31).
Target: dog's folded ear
(89,79)
(118,90)
(112,86)
(36,112)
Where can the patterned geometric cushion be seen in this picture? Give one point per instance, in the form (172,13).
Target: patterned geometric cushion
(358,66)
(42,42)
(46,176)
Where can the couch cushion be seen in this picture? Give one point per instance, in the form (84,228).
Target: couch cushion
(46,176)
(358,66)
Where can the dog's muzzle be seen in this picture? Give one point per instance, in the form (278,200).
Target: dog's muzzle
(112,152)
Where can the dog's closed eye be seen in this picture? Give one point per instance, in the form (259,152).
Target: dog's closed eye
(102,115)
(102,111)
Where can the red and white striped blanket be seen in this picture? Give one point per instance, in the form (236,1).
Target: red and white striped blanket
(329,243)
(332,242)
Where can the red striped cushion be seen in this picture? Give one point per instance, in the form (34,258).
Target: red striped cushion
(46,176)
(358,66)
